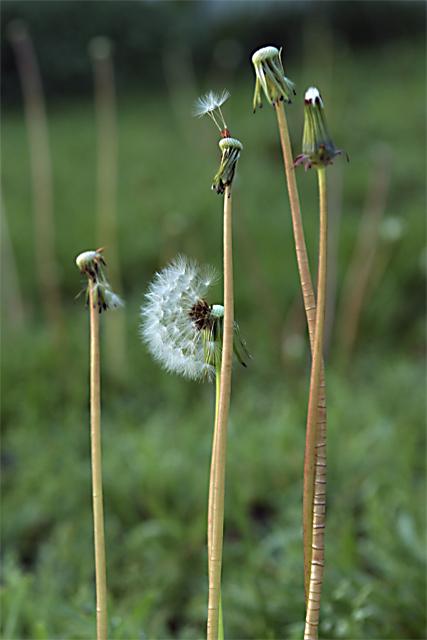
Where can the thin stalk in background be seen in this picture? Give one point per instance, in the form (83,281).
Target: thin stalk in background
(10,287)
(215,562)
(41,176)
(361,263)
(100,49)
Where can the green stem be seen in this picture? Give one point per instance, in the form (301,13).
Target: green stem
(98,511)
(317,561)
(310,310)
(221,440)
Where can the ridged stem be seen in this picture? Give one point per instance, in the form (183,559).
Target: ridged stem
(319,435)
(318,546)
(211,485)
(215,562)
(95,432)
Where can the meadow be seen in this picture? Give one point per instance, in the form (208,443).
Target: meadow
(157,428)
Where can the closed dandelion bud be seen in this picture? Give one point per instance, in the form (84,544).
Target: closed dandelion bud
(317,145)
(270,77)
(231,149)
(90,263)
(182,331)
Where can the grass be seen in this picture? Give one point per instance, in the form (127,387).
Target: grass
(157,428)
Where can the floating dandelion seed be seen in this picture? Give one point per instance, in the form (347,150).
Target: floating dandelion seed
(208,104)
(182,331)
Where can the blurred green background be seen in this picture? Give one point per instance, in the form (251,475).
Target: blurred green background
(369,61)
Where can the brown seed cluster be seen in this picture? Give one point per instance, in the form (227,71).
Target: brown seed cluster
(200,314)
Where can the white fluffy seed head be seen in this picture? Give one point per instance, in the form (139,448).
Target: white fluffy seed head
(171,336)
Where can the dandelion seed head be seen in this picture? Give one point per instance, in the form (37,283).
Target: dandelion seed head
(174,317)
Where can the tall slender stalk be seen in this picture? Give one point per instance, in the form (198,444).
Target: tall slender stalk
(41,176)
(216,545)
(98,510)
(317,555)
(316,437)
(211,488)
(100,49)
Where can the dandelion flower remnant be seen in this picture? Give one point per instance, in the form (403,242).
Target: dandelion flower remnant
(270,77)
(182,331)
(317,145)
(90,264)
(230,148)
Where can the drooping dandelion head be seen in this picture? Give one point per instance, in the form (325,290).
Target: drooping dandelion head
(182,330)
(91,263)
(270,77)
(318,148)
(230,153)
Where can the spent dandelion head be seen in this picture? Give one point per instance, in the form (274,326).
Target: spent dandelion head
(230,148)
(182,331)
(91,263)
(318,148)
(210,103)
(270,77)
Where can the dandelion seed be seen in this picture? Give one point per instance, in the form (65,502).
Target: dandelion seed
(208,104)
(182,331)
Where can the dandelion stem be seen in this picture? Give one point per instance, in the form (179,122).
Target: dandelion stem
(317,559)
(221,437)
(211,487)
(98,511)
(310,309)
(212,473)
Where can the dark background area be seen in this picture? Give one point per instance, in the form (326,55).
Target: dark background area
(141,30)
